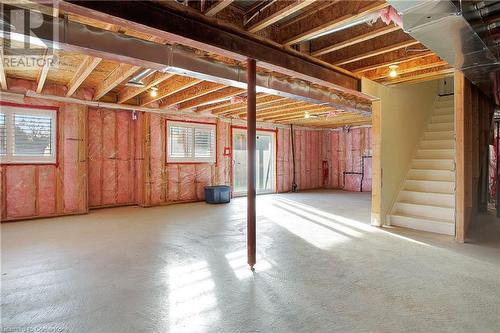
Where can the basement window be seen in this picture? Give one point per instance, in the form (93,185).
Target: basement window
(27,136)
(190,142)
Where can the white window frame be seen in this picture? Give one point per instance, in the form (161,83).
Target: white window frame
(9,157)
(191,159)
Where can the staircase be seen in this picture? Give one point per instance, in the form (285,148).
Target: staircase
(427,199)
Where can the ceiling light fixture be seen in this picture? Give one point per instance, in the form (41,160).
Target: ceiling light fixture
(154,91)
(393,71)
(306,115)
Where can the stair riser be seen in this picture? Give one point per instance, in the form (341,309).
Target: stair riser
(437,144)
(425,211)
(425,225)
(441,127)
(422,198)
(447,118)
(433,164)
(439,175)
(436,187)
(431,154)
(439,135)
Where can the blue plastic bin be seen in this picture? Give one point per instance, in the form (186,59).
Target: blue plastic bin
(217,194)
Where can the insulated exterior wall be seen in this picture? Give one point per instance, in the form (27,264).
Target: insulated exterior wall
(110,158)
(338,159)
(36,190)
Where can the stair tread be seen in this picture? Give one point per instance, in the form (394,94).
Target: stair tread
(428,192)
(423,218)
(425,205)
(433,170)
(434,181)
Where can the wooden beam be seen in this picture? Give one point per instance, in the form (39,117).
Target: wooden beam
(377,52)
(120,74)
(376,215)
(154,79)
(83,71)
(217,7)
(397,60)
(205,99)
(44,71)
(198,90)
(356,40)
(289,107)
(331,25)
(463,148)
(269,107)
(179,25)
(3,77)
(169,87)
(277,11)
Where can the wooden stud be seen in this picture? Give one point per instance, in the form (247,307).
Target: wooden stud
(120,74)
(83,71)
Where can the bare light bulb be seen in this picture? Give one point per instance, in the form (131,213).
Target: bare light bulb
(393,71)
(154,92)
(306,115)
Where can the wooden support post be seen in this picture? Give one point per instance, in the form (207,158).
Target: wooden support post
(498,170)
(251,145)
(376,218)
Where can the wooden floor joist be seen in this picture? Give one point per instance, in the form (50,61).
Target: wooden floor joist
(356,40)
(153,80)
(214,96)
(120,74)
(275,12)
(329,26)
(169,87)
(217,7)
(190,93)
(83,71)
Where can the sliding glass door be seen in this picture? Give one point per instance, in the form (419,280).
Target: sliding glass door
(265,162)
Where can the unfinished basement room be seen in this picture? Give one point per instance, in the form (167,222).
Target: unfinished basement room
(250,166)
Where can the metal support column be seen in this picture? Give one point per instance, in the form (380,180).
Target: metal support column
(251,144)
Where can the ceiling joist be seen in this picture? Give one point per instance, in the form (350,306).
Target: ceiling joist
(83,71)
(332,24)
(120,74)
(277,11)
(210,98)
(169,87)
(217,6)
(151,81)
(190,93)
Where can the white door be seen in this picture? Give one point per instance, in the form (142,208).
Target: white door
(265,162)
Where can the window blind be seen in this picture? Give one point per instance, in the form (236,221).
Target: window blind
(27,135)
(190,142)
(32,135)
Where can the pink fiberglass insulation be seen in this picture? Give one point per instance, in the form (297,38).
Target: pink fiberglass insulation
(203,178)
(352,182)
(94,157)
(139,158)
(46,190)
(173,182)
(21,191)
(124,158)
(156,159)
(108,171)
(187,178)
(71,141)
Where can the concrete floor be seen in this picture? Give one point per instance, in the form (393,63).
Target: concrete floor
(181,268)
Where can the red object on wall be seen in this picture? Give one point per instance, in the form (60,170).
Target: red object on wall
(227,151)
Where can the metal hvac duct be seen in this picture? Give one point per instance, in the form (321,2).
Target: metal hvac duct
(444,28)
